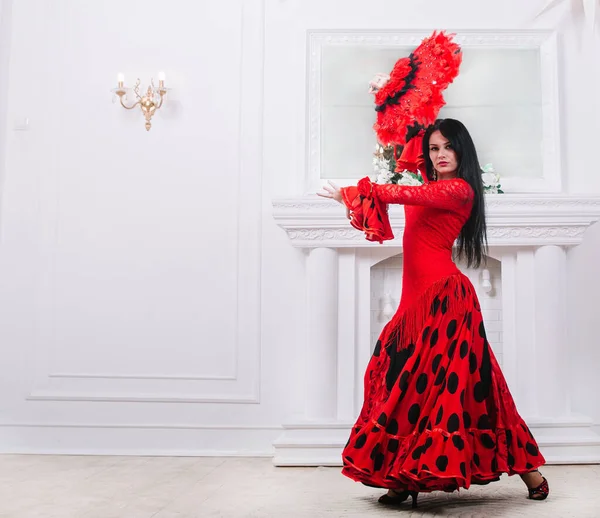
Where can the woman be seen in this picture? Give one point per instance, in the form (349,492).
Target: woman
(437,413)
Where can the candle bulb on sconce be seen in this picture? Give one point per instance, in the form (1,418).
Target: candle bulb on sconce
(149,102)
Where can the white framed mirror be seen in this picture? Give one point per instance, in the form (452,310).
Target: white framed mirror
(506,94)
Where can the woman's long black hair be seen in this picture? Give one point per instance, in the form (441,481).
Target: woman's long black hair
(472,240)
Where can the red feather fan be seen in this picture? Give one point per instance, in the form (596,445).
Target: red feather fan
(412,97)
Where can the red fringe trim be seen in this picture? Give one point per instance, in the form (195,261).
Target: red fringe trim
(408,324)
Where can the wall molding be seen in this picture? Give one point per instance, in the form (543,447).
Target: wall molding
(167,377)
(131,397)
(244,375)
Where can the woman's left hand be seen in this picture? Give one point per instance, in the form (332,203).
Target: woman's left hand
(331,191)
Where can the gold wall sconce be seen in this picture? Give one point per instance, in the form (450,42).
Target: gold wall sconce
(149,102)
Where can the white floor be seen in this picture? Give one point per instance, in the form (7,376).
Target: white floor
(33,486)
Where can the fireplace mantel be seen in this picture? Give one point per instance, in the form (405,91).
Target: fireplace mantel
(528,234)
(513,220)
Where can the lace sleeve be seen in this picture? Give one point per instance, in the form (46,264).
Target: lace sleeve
(447,194)
(367,202)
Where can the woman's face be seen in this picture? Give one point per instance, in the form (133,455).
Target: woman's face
(443,157)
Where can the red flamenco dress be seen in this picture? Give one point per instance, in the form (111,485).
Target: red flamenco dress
(437,413)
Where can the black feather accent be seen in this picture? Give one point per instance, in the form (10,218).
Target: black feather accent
(395,99)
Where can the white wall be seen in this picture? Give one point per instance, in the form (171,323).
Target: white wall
(147,298)
(130,260)
(5,26)
(584,282)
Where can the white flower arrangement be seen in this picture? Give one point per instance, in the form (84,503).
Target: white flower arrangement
(491,180)
(382,169)
(384,166)
(410,178)
(403,178)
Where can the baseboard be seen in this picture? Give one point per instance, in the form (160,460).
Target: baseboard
(570,440)
(142,440)
(565,441)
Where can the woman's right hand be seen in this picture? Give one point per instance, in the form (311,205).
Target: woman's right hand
(331,191)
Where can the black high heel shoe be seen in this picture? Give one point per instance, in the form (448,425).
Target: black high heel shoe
(401,496)
(541,492)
